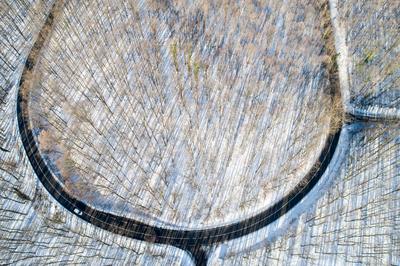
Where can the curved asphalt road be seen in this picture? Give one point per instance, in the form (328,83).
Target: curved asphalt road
(189,240)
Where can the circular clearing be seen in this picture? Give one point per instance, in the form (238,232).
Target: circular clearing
(165,117)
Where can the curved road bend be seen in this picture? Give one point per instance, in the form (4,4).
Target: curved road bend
(189,240)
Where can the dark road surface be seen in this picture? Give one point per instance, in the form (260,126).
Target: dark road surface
(192,241)
(185,239)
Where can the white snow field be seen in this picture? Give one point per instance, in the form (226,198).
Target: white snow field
(179,119)
(193,114)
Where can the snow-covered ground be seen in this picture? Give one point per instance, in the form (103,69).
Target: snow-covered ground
(171,115)
(368,45)
(356,221)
